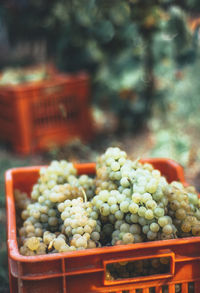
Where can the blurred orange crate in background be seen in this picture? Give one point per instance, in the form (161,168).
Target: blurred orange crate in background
(36,116)
(85,270)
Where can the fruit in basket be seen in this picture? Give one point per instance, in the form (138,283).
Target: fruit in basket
(14,76)
(184,209)
(135,190)
(57,201)
(126,202)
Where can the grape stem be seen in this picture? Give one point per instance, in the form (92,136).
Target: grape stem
(84,194)
(50,244)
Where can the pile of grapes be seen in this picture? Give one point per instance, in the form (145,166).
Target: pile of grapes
(15,76)
(125,202)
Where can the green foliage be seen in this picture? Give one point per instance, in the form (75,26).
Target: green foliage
(184,100)
(173,144)
(120,42)
(176,128)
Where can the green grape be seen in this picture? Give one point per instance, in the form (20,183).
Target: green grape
(127,238)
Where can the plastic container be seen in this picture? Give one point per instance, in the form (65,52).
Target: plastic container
(39,115)
(84,271)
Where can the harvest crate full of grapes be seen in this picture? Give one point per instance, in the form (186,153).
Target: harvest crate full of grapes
(119,225)
(43,109)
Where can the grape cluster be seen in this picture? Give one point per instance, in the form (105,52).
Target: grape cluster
(126,202)
(57,184)
(33,246)
(132,197)
(57,181)
(78,224)
(184,209)
(22,200)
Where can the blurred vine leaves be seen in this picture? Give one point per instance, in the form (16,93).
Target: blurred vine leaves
(118,41)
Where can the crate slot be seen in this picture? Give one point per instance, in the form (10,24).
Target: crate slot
(140,268)
(133,269)
(191,287)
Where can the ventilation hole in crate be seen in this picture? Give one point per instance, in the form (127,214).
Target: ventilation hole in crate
(178,288)
(138,291)
(72,116)
(165,289)
(139,268)
(191,287)
(152,290)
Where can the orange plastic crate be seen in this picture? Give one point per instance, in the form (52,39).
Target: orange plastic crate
(84,271)
(39,115)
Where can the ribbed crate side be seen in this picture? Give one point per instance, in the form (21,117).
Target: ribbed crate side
(44,113)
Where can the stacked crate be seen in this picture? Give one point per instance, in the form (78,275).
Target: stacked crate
(36,116)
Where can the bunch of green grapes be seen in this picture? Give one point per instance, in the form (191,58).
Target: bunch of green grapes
(79,224)
(38,218)
(57,183)
(21,199)
(45,212)
(33,246)
(184,208)
(79,231)
(42,214)
(108,169)
(132,197)
(53,177)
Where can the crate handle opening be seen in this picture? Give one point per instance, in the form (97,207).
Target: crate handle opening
(160,265)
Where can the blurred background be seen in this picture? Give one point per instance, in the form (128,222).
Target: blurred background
(111,73)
